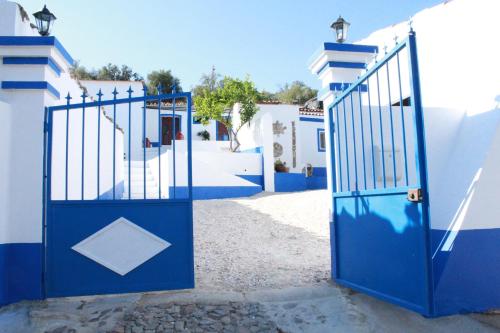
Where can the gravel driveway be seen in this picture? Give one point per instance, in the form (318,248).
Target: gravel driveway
(266,241)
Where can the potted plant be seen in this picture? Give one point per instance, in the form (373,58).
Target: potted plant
(280,166)
(205,135)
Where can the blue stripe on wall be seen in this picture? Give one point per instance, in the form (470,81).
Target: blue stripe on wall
(20,272)
(33,61)
(256,179)
(37,41)
(293,182)
(338,86)
(341,64)
(29,85)
(253,150)
(314,120)
(344,47)
(215,192)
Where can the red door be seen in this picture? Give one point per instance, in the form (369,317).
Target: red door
(167,129)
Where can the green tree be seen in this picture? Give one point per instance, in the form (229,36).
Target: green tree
(166,79)
(266,96)
(218,104)
(295,93)
(109,72)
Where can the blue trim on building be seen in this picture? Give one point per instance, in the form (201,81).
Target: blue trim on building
(345,47)
(37,41)
(30,85)
(33,61)
(215,192)
(318,132)
(259,150)
(256,179)
(341,64)
(20,272)
(338,86)
(293,182)
(313,120)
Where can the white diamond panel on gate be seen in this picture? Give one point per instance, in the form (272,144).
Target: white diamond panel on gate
(121,246)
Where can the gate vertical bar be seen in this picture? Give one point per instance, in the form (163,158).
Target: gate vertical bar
(114,142)
(354,144)
(159,142)
(173,142)
(68,98)
(130,91)
(371,132)
(381,131)
(421,161)
(145,90)
(402,120)
(338,146)
(99,96)
(346,148)
(84,95)
(189,147)
(392,126)
(362,135)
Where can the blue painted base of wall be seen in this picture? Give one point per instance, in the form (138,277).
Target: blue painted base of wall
(293,182)
(215,192)
(467,276)
(20,272)
(256,179)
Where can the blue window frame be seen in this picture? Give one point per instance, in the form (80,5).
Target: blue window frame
(321,139)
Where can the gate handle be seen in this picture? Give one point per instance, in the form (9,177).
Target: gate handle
(414,195)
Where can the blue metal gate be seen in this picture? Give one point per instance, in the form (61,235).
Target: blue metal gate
(380,228)
(114,221)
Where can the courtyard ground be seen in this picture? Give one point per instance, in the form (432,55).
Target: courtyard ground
(262,265)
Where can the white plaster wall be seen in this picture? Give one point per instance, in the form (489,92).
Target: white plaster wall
(459,80)
(11,22)
(308,143)
(5,166)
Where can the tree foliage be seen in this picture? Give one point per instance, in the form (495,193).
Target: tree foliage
(166,79)
(295,93)
(208,82)
(217,102)
(110,72)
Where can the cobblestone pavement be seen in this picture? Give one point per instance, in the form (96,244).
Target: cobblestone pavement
(324,308)
(213,317)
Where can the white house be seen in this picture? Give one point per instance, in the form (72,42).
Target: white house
(294,138)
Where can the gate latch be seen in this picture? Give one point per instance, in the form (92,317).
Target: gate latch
(414,195)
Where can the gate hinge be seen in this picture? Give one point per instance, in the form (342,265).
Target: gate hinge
(414,195)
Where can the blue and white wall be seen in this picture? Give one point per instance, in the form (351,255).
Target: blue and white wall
(260,134)
(460,95)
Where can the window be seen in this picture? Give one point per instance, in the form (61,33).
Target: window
(321,140)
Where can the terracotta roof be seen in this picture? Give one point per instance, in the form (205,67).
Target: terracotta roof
(311,112)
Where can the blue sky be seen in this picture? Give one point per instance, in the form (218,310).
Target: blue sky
(269,40)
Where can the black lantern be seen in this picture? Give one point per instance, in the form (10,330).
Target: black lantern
(44,20)
(341,26)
